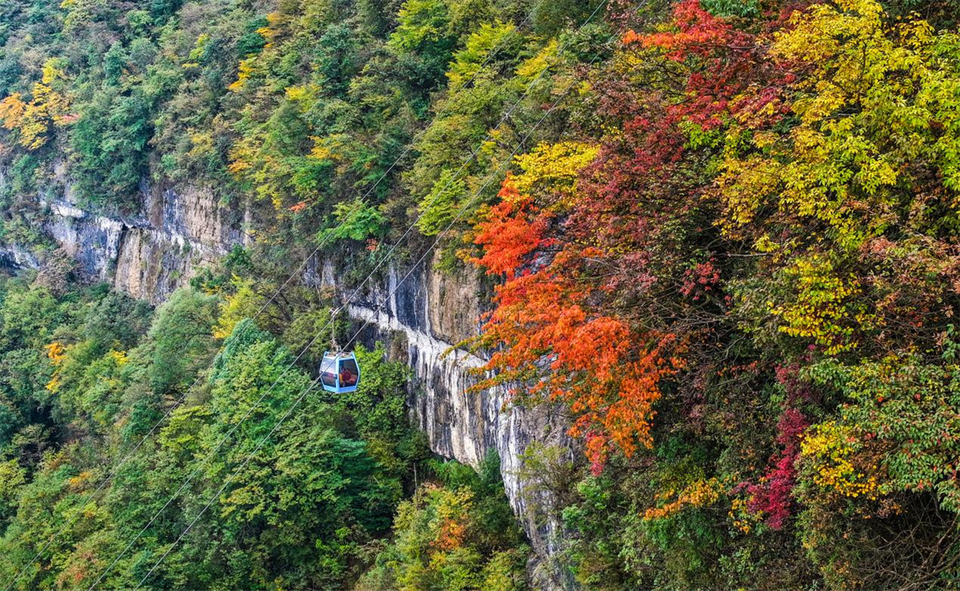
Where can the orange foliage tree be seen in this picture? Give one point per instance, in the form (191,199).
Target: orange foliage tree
(551,338)
(611,256)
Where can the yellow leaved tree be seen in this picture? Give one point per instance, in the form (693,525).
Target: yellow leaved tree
(33,119)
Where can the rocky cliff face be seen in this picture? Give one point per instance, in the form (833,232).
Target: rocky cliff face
(148,255)
(421,313)
(425,311)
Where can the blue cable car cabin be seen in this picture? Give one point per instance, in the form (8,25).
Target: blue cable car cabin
(339,372)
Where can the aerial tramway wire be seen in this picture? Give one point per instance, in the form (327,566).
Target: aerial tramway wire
(321,243)
(313,384)
(356,291)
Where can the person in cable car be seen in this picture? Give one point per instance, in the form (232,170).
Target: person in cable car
(347,378)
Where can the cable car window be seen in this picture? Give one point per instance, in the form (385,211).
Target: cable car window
(349,373)
(328,372)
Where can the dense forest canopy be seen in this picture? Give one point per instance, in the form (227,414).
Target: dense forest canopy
(721,235)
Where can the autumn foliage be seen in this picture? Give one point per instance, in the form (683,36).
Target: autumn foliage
(759,261)
(586,263)
(555,340)
(722,239)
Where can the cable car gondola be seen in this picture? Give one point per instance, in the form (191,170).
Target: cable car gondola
(339,372)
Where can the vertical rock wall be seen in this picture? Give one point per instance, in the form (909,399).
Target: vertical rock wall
(154,253)
(427,312)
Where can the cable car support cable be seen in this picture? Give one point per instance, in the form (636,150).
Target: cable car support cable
(303,395)
(357,290)
(493,52)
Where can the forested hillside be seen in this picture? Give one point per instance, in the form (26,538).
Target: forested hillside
(86,374)
(723,237)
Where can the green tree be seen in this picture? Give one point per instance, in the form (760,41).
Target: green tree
(181,340)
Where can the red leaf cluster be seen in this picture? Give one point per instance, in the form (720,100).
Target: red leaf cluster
(606,297)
